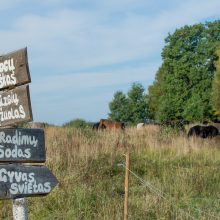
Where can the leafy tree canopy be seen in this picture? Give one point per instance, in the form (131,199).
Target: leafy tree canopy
(130,108)
(183,84)
(216,87)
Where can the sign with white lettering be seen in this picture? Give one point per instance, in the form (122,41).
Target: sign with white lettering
(14,69)
(17,181)
(22,145)
(15,106)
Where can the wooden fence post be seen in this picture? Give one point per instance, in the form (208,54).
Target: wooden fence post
(126,185)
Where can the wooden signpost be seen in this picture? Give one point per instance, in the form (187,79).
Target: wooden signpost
(18,181)
(19,145)
(14,69)
(15,106)
(22,145)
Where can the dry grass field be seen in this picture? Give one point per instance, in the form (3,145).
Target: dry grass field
(172,177)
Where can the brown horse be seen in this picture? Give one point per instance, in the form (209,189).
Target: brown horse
(107,124)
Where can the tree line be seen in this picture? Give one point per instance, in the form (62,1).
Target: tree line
(186,85)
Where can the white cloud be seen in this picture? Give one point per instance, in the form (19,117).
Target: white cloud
(81,39)
(91,80)
(187,13)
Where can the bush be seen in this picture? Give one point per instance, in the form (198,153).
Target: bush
(77,123)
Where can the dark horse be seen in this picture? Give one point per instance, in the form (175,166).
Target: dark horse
(203,131)
(96,126)
(111,125)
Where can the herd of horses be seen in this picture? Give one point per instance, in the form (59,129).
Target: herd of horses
(208,131)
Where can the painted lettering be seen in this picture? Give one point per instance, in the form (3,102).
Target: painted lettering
(12,113)
(7,65)
(7,75)
(3,177)
(18,139)
(30,188)
(9,99)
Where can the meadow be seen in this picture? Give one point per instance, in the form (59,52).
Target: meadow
(171,176)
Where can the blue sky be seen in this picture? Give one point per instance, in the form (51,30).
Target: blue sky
(81,52)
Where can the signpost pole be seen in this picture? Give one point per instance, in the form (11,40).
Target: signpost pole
(19,206)
(20,210)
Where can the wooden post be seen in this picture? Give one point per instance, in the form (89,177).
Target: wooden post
(126,186)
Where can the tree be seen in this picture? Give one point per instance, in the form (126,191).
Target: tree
(155,92)
(216,88)
(131,108)
(118,107)
(183,85)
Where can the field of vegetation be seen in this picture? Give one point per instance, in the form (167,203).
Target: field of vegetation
(171,177)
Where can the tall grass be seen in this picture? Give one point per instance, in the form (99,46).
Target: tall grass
(91,182)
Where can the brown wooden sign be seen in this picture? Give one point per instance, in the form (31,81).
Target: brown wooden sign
(15,106)
(17,181)
(22,145)
(14,69)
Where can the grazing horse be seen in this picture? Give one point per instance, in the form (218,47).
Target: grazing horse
(210,131)
(140,126)
(97,127)
(203,131)
(104,123)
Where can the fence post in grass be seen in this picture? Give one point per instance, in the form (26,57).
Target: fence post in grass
(127,155)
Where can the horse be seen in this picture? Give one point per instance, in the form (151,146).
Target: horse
(97,127)
(147,123)
(104,123)
(211,131)
(140,126)
(203,131)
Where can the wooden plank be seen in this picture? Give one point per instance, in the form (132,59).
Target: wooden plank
(15,106)
(17,181)
(22,145)
(14,69)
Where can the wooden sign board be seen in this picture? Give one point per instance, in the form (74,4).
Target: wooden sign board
(15,106)
(22,145)
(14,69)
(17,181)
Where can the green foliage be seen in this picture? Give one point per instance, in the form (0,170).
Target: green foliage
(155,91)
(216,87)
(131,108)
(183,84)
(77,123)
(118,107)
